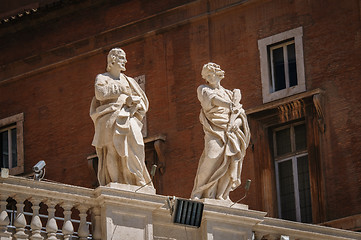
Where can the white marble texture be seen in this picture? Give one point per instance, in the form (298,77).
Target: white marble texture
(117,110)
(226,137)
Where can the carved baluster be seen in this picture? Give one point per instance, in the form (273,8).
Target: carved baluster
(83,231)
(4,219)
(36,224)
(97,230)
(20,221)
(51,226)
(68,228)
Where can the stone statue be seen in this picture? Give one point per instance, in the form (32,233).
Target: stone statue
(226,137)
(117,110)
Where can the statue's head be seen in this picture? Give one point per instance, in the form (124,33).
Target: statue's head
(116,57)
(211,71)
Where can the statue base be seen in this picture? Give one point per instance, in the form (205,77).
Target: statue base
(223,203)
(132,188)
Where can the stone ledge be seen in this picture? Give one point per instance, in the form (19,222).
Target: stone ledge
(224,203)
(132,188)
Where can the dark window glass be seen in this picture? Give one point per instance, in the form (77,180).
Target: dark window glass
(14,148)
(301,137)
(304,189)
(283,142)
(4,149)
(287,195)
(279,69)
(292,70)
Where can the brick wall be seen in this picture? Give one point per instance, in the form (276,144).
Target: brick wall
(49,62)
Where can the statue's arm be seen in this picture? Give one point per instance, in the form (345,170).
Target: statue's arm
(105,89)
(208,98)
(218,101)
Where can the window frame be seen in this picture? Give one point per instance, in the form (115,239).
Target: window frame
(18,122)
(8,130)
(309,107)
(293,157)
(264,45)
(285,60)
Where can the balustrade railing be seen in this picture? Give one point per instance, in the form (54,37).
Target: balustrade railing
(40,210)
(45,210)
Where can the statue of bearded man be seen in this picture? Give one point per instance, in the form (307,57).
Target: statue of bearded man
(226,139)
(117,110)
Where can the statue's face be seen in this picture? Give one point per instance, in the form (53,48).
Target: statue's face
(120,62)
(213,76)
(219,73)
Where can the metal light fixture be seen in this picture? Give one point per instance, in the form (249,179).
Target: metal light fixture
(185,212)
(152,173)
(247,186)
(39,170)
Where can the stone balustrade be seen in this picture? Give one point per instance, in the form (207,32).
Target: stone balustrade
(37,204)
(40,210)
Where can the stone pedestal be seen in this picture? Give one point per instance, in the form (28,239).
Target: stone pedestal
(126,214)
(126,211)
(222,221)
(132,188)
(219,221)
(223,203)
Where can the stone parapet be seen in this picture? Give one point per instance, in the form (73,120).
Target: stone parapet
(120,211)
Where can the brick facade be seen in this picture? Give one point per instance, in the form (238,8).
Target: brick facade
(50,58)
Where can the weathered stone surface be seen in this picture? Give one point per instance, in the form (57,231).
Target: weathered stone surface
(117,110)
(227,136)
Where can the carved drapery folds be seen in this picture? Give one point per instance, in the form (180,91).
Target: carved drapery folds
(154,145)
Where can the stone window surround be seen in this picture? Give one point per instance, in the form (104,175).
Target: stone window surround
(263,44)
(18,119)
(306,106)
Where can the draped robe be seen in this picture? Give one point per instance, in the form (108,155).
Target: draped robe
(118,139)
(220,165)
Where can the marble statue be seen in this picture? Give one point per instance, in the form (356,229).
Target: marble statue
(117,110)
(226,137)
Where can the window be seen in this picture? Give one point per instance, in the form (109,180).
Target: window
(282,67)
(286,135)
(8,144)
(11,142)
(292,174)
